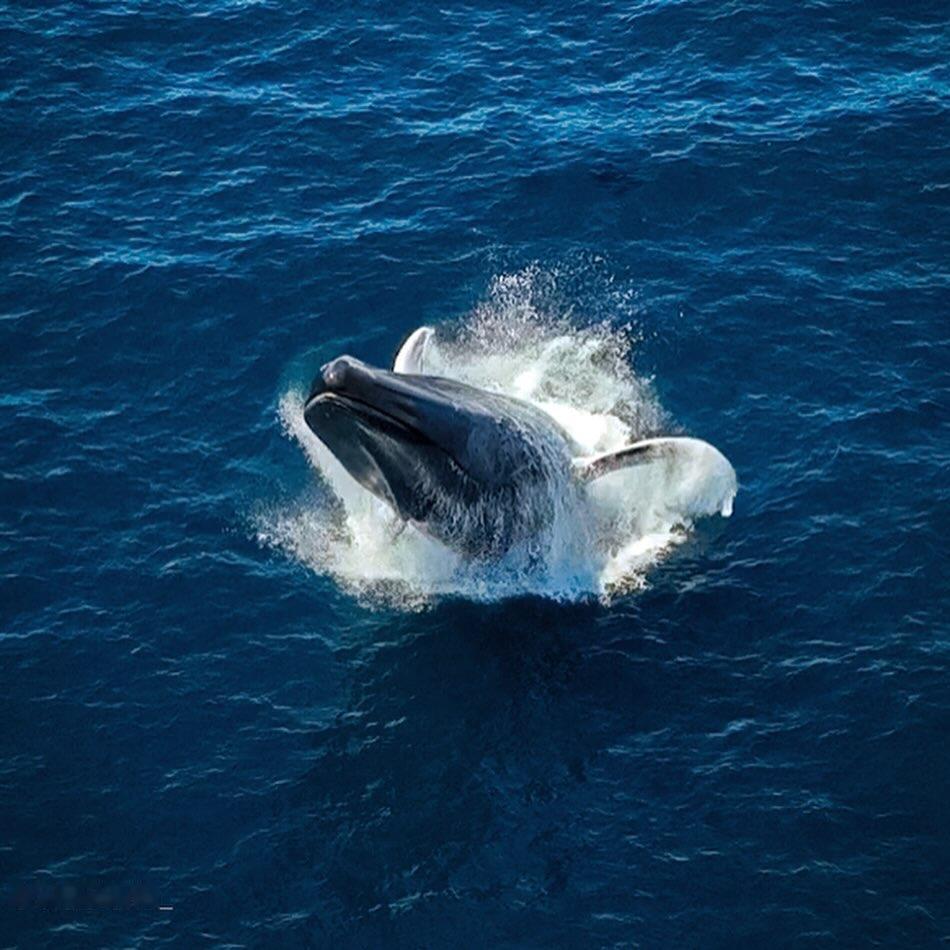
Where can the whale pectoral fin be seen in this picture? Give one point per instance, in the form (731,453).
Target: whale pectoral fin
(689,469)
(589,467)
(410,357)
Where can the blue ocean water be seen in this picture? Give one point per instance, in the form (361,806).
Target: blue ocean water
(207,739)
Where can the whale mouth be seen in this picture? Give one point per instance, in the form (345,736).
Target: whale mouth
(357,407)
(378,436)
(336,417)
(387,411)
(347,384)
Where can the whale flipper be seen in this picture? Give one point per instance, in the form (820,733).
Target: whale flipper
(687,466)
(410,357)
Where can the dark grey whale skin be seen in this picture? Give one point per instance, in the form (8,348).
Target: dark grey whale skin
(477,470)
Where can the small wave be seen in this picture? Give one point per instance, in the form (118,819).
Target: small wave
(582,376)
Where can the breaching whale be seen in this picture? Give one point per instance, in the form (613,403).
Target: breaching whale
(479,471)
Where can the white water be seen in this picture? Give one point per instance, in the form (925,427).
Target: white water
(623,524)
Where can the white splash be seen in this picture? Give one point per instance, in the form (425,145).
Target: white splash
(582,377)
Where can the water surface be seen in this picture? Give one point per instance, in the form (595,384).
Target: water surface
(198,205)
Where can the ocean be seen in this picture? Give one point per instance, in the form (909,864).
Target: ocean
(239,709)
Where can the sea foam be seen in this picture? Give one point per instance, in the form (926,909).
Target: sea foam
(602,540)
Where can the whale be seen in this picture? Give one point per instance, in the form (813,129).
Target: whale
(477,470)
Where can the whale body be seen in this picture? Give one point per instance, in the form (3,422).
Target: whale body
(478,471)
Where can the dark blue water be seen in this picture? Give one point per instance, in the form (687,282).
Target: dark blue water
(206,742)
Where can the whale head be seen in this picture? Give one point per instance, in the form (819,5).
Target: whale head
(459,462)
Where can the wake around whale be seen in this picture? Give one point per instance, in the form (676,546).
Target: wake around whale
(479,471)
